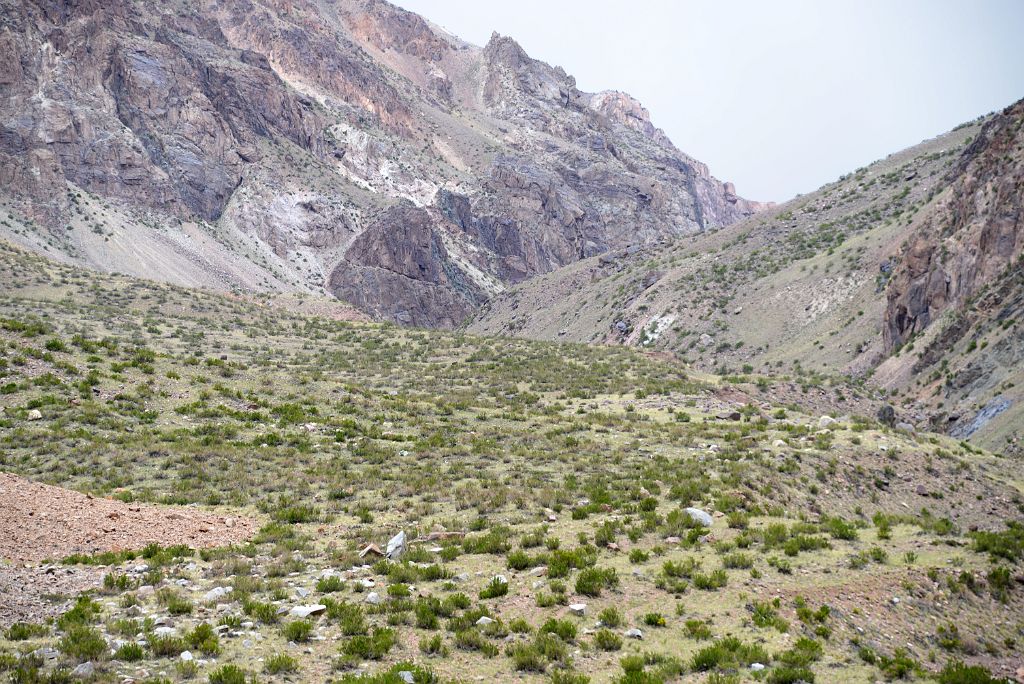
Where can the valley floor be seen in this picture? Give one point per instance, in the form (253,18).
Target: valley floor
(553,498)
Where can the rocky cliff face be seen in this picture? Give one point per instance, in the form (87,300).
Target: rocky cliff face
(346,147)
(973,236)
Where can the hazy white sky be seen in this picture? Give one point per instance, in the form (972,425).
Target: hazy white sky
(778,97)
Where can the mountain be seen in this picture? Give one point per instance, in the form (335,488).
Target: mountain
(343,147)
(904,276)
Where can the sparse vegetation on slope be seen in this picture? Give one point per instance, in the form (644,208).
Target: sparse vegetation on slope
(564,522)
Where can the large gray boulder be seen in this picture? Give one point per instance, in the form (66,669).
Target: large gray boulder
(700,516)
(396,546)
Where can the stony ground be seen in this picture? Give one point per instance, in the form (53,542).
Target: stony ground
(44,522)
(544,491)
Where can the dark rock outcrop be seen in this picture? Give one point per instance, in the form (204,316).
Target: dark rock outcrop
(972,238)
(400,269)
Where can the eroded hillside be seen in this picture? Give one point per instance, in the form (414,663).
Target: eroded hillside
(830,283)
(348,147)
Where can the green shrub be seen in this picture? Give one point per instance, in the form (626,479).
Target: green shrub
(766,615)
(712,581)
(520,626)
(294,515)
(20,631)
(281,663)
(83,642)
(654,620)
(698,629)
(526,658)
(610,617)
(228,674)
(898,666)
(203,638)
(495,588)
(591,581)
(473,640)
(298,631)
(84,611)
(568,677)
(1006,545)
(956,672)
(350,616)
(166,646)
(787,674)
(1000,581)
(738,561)
(728,652)
(130,652)
(518,560)
(330,584)
(565,629)
(607,640)
(841,529)
(804,652)
(373,646)
(433,646)
(176,603)
(264,612)
(638,556)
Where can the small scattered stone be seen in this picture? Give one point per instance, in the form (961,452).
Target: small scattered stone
(373,598)
(578,609)
(371,549)
(215,594)
(484,620)
(84,671)
(634,634)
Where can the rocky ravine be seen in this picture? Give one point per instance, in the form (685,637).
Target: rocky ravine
(344,147)
(905,274)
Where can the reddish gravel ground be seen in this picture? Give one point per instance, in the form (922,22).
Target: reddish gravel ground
(39,522)
(32,594)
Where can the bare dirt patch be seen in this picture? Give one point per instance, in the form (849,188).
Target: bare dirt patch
(39,522)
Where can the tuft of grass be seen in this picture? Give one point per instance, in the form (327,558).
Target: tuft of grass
(83,642)
(281,663)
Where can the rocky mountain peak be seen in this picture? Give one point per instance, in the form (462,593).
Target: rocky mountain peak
(296,144)
(627,111)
